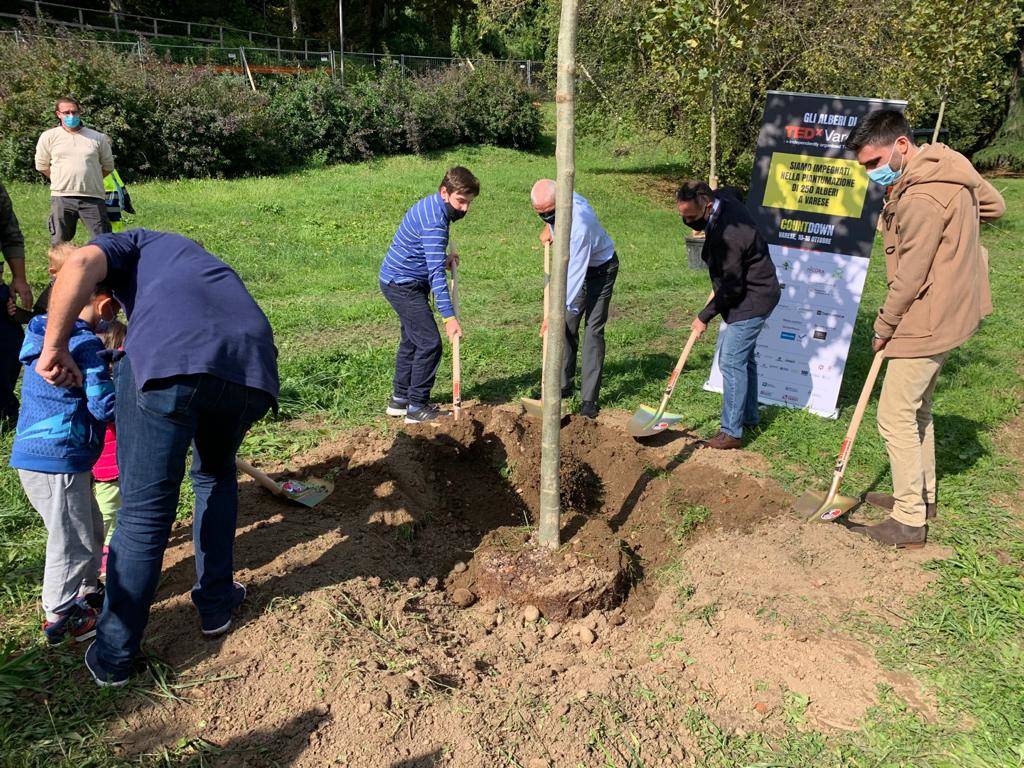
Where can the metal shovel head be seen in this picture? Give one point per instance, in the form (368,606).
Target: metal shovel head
(308,492)
(646,422)
(534,408)
(817,506)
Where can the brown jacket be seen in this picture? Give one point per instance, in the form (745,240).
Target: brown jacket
(936,269)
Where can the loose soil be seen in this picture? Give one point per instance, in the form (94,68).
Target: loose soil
(351,648)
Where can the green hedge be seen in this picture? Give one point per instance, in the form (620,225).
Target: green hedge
(172,121)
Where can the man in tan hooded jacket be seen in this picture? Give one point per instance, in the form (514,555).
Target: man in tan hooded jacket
(937,272)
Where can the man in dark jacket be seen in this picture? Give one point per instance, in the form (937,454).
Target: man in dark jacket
(746,291)
(12,243)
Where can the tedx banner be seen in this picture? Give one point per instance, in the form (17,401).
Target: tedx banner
(818,211)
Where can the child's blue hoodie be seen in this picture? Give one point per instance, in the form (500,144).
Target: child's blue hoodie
(60,429)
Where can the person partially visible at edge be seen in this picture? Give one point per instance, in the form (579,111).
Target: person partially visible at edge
(12,244)
(413,269)
(593,267)
(74,159)
(937,273)
(746,291)
(117,200)
(200,368)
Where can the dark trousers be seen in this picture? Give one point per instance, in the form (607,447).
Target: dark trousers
(592,305)
(419,351)
(11,338)
(66,211)
(155,428)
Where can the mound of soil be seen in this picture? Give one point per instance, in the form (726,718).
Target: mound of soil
(694,588)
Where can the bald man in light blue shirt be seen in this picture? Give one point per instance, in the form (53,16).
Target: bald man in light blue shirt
(593,267)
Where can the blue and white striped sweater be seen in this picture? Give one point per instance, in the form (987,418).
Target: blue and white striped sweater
(61,429)
(418,251)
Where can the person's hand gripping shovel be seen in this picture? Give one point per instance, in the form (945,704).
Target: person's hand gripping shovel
(534,408)
(648,421)
(833,505)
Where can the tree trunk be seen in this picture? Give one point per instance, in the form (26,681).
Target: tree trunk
(713,171)
(565,159)
(293,11)
(938,121)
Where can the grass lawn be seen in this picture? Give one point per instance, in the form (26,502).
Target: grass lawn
(309,246)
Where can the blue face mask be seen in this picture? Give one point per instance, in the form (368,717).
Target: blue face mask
(884,175)
(72,121)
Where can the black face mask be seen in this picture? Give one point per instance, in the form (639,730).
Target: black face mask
(698,225)
(453,213)
(548,218)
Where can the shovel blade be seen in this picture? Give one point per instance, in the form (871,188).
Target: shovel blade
(819,507)
(534,408)
(646,422)
(308,492)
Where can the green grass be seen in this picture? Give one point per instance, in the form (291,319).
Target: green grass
(309,245)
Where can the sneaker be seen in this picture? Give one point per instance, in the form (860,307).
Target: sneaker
(78,622)
(424,415)
(397,406)
(103,678)
(218,624)
(589,409)
(95,599)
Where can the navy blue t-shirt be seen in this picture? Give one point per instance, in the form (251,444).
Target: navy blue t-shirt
(188,312)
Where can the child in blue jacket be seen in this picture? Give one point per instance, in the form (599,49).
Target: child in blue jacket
(59,437)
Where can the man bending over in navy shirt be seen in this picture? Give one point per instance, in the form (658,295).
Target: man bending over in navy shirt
(200,368)
(413,269)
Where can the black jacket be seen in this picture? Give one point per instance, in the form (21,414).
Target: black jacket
(11,241)
(741,269)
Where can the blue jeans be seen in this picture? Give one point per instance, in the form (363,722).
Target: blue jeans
(736,342)
(419,351)
(155,428)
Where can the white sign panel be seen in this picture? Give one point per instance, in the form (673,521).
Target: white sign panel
(801,352)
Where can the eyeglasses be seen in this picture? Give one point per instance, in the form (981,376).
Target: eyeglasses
(69,112)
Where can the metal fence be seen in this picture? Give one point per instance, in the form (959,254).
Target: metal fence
(264,51)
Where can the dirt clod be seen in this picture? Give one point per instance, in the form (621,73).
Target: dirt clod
(463,597)
(585,635)
(552,630)
(459,567)
(531,614)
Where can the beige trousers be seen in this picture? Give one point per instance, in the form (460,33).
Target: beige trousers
(905,423)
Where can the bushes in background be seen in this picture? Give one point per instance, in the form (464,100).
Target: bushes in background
(173,121)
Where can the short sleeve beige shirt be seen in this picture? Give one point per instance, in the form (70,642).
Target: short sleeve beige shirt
(77,161)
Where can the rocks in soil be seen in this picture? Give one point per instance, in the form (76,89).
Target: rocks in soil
(459,567)
(552,630)
(463,598)
(531,614)
(586,635)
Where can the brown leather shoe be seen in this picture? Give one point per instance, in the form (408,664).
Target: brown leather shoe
(723,441)
(886,501)
(893,533)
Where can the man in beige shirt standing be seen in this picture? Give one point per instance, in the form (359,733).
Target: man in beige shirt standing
(937,273)
(75,159)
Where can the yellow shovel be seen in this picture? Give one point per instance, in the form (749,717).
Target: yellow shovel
(648,421)
(534,408)
(833,505)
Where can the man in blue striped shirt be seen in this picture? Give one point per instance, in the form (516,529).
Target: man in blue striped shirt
(413,268)
(593,267)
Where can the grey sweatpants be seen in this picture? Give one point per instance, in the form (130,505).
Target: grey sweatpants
(66,211)
(74,541)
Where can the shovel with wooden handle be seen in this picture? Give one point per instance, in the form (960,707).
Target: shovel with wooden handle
(833,505)
(456,352)
(647,421)
(308,492)
(534,408)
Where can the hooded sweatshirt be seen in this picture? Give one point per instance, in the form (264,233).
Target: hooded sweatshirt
(936,269)
(61,429)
